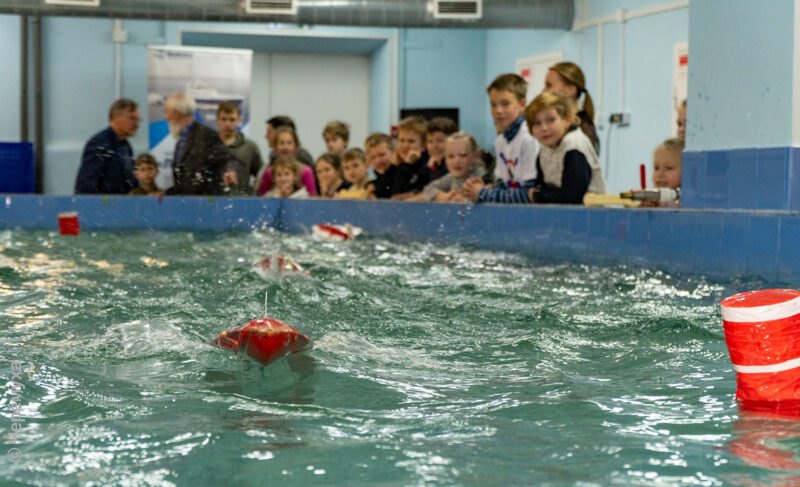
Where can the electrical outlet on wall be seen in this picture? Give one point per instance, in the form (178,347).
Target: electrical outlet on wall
(622,119)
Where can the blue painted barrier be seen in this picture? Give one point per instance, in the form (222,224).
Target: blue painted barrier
(717,243)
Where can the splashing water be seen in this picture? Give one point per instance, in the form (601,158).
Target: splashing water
(431,365)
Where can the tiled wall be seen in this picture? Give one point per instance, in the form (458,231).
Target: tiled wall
(759,179)
(717,243)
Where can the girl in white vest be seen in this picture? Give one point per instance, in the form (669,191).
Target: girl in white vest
(567,165)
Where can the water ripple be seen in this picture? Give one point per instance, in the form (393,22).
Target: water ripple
(432,365)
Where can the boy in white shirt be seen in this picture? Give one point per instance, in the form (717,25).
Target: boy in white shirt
(515,149)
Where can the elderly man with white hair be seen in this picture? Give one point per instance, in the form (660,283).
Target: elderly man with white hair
(203,165)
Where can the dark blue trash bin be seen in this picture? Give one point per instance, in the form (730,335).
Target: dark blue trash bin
(17,170)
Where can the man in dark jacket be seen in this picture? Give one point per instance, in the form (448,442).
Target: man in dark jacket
(107,162)
(203,165)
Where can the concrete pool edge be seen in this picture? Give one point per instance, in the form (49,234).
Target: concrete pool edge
(716,243)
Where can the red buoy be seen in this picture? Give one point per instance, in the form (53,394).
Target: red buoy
(265,340)
(762,331)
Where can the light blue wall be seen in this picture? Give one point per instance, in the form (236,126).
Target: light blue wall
(79,86)
(379,99)
(601,8)
(380,59)
(505,46)
(648,92)
(9,81)
(445,69)
(740,96)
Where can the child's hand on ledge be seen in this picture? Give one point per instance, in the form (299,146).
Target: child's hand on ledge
(472,188)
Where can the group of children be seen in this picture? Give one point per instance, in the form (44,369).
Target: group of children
(545,152)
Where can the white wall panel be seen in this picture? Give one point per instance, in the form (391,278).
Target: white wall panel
(312,89)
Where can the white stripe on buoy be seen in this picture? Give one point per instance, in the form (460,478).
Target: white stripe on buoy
(766,369)
(759,314)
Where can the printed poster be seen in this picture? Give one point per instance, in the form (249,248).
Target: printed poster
(209,75)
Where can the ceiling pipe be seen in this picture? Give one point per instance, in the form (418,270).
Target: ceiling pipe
(528,14)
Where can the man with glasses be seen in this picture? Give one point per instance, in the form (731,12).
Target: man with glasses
(107,163)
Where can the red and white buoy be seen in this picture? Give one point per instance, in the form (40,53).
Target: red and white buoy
(762,330)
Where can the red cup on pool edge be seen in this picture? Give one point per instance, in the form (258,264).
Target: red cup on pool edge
(68,223)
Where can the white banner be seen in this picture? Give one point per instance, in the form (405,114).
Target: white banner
(209,75)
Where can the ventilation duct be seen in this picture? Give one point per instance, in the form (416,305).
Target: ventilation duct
(271,7)
(75,3)
(457,9)
(529,14)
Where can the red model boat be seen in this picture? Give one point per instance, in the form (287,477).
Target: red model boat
(264,340)
(336,232)
(276,265)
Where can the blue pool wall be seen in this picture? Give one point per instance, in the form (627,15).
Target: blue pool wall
(748,178)
(743,125)
(716,243)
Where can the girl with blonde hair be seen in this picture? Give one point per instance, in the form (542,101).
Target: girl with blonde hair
(567,166)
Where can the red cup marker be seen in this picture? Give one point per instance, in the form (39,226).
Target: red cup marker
(762,331)
(68,223)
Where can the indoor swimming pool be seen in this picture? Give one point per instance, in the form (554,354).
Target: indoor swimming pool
(431,365)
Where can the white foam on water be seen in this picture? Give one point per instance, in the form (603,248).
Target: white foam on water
(359,347)
(147,338)
(136,339)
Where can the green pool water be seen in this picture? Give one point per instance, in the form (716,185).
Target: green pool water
(431,365)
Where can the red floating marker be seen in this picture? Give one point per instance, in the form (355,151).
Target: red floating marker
(265,340)
(68,223)
(762,330)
